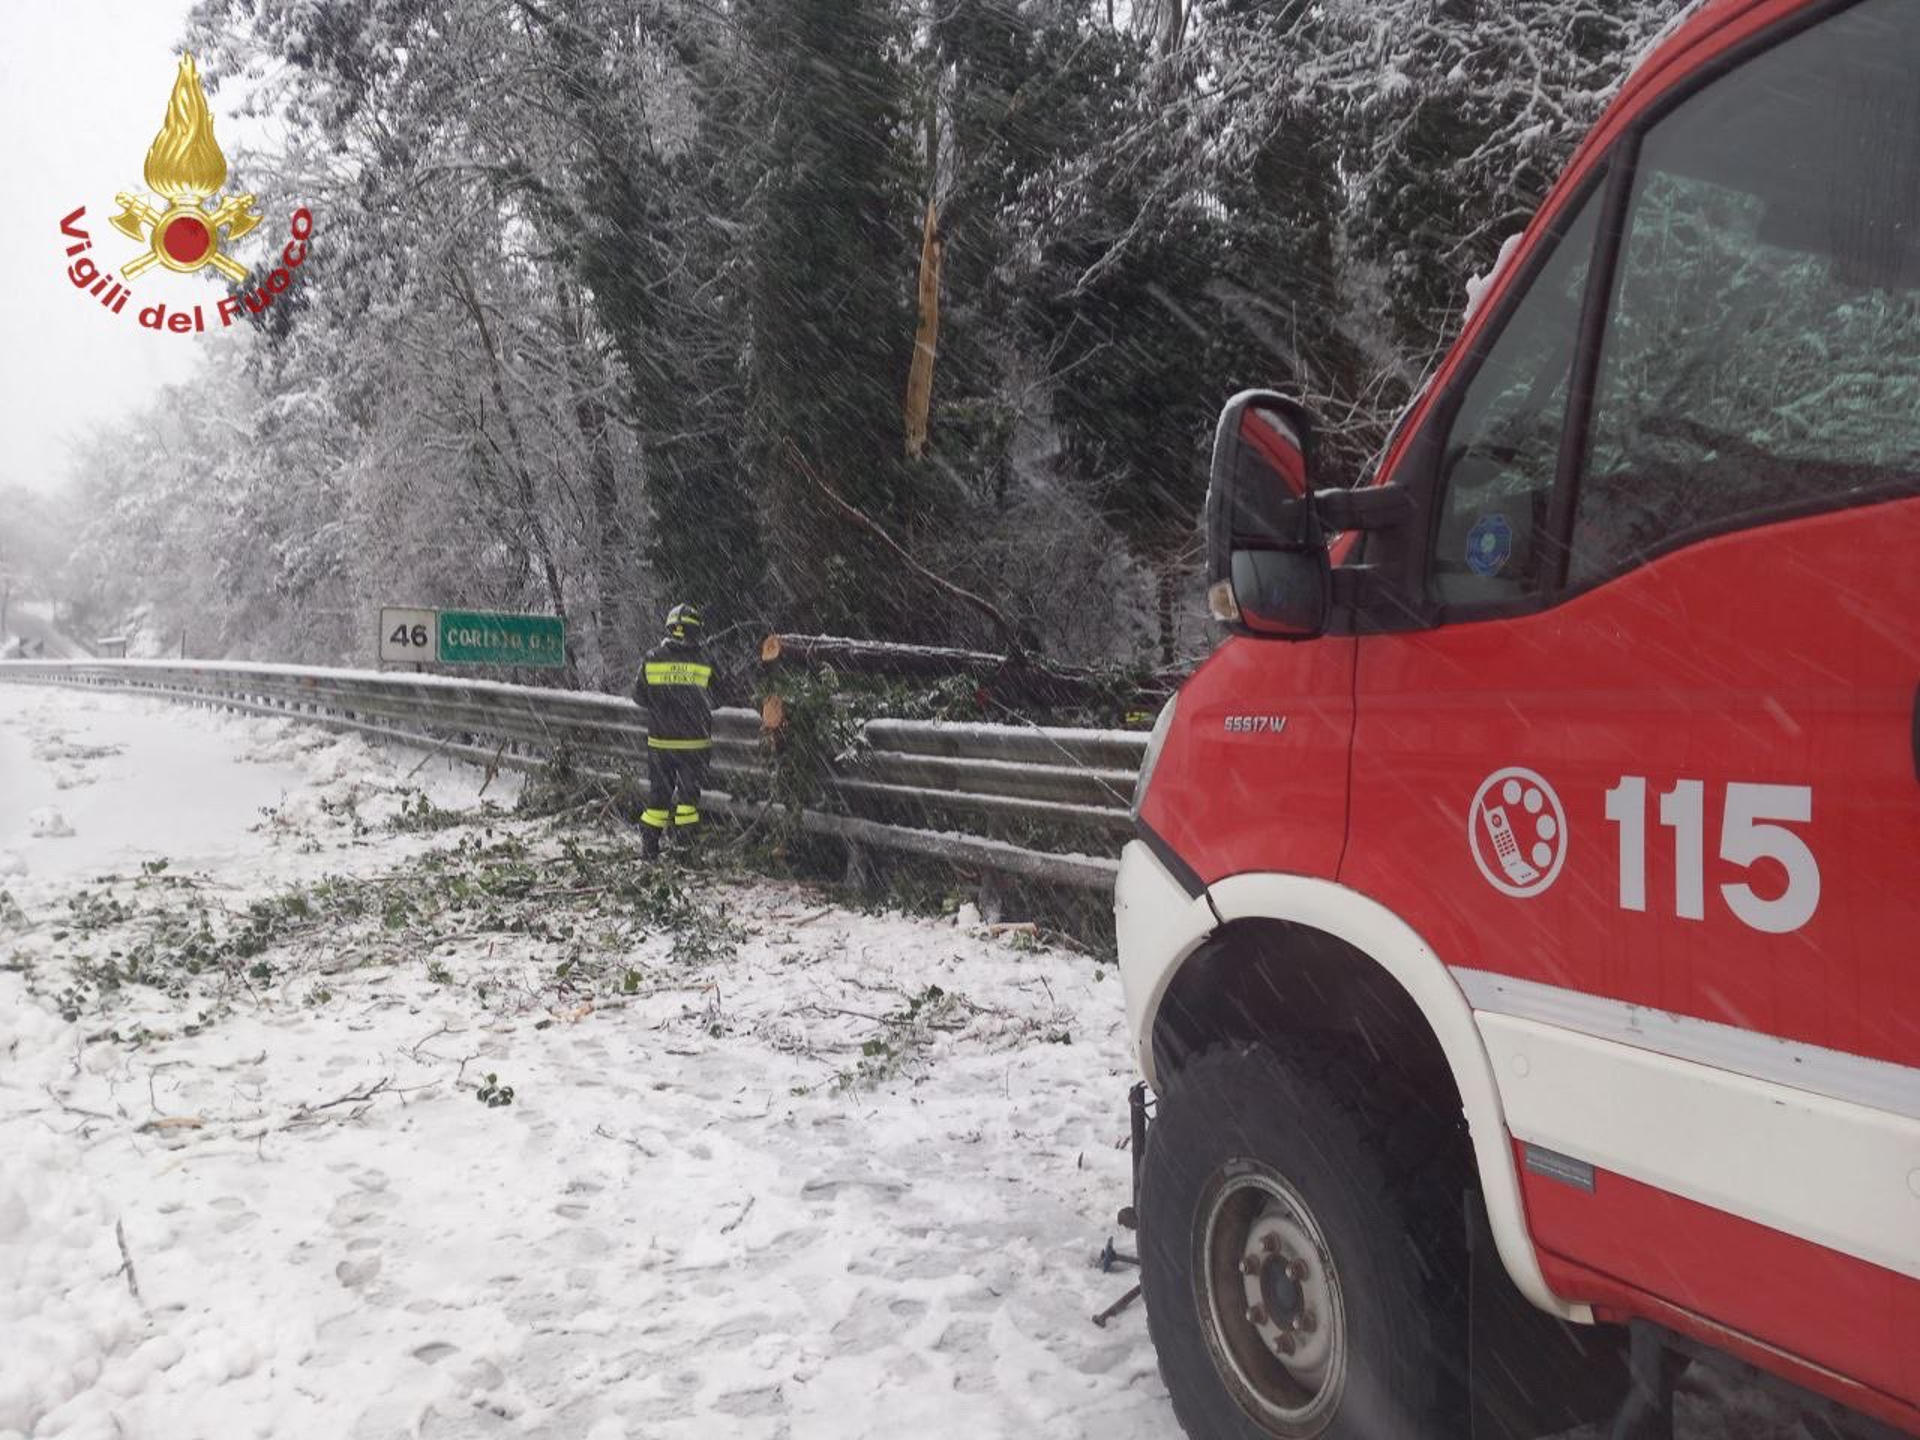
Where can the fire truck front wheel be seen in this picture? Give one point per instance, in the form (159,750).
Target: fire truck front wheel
(1302,1252)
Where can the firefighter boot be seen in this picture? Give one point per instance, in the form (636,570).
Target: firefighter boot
(653,827)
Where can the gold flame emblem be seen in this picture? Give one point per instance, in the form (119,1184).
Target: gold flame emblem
(186,167)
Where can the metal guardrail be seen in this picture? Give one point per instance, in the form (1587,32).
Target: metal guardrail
(1047,803)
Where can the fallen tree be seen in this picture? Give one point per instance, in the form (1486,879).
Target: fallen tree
(883,657)
(1017,679)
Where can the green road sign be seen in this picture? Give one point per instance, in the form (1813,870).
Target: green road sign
(469,637)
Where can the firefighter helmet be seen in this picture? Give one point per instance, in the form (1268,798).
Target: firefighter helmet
(681,619)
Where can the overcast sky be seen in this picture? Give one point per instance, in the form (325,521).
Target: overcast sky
(83,88)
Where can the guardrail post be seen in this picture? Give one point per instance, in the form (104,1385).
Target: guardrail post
(992,901)
(859,874)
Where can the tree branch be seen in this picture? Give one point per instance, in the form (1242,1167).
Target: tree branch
(1009,632)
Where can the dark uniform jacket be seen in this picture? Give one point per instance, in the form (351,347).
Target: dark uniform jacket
(675,686)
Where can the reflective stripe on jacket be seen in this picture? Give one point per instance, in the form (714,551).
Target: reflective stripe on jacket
(676,688)
(678,672)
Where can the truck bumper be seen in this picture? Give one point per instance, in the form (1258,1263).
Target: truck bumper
(1158,924)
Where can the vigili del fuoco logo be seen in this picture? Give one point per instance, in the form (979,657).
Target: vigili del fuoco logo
(193,228)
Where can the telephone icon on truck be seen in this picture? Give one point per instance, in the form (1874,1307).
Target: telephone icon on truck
(1517,831)
(1505,848)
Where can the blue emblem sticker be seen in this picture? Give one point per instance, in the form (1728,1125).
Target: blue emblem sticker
(1489,545)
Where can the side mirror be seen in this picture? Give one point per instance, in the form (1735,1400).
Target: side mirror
(1268,571)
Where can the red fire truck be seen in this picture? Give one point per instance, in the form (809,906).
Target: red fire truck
(1522,936)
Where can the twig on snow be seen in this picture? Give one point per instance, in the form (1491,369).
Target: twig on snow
(352,1097)
(414,1049)
(153,1070)
(444,742)
(607,1134)
(73,1109)
(170,1122)
(126,1258)
(811,1008)
(734,1224)
(493,769)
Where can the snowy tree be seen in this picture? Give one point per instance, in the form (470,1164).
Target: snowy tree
(595,280)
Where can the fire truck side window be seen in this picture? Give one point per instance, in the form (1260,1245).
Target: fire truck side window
(1762,350)
(1497,464)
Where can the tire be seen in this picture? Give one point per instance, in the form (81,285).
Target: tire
(1270,1183)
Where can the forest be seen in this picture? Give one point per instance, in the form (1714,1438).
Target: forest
(612,304)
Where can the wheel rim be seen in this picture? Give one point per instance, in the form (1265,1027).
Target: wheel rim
(1271,1304)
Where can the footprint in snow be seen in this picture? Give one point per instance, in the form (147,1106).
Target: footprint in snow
(976,1302)
(1103,1359)
(47,823)
(961,1337)
(896,1263)
(357,1207)
(966,1342)
(233,1214)
(748,1403)
(739,1332)
(587,1242)
(826,1187)
(482,1374)
(868,1325)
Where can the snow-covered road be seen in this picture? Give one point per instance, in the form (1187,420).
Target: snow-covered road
(132,782)
(834,1183)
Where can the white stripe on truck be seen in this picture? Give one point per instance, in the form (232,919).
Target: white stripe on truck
(1810,1142)
(1855,1079)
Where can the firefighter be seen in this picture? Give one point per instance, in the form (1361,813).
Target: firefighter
(675,686)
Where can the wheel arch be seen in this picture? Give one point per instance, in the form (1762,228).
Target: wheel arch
(1407,992)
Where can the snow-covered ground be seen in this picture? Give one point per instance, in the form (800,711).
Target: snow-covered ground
(770,1166)
(836,1183)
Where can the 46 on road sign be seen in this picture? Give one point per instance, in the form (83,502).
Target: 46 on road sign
(409,636)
